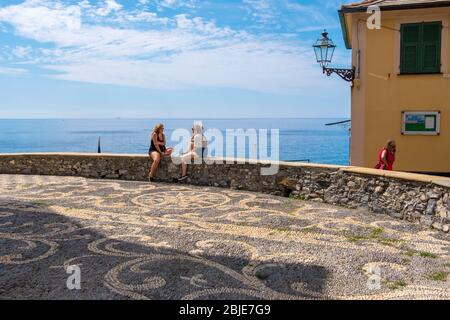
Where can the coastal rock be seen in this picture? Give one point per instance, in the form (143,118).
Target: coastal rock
(441,210)
(426,221)
(351,184)
(378,190)
(289,183)
(431,207)
(437,225)
(433,195)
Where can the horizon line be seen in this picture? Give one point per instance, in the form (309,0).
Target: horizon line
(169,118)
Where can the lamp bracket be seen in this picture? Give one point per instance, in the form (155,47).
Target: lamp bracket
(346,74)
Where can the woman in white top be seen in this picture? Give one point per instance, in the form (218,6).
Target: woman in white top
(197,149)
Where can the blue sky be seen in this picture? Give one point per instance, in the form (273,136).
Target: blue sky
(168,59)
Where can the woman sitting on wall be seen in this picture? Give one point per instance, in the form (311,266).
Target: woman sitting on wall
(157,149)
(386,157)
(197,148)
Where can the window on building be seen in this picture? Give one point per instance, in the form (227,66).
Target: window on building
(421,47)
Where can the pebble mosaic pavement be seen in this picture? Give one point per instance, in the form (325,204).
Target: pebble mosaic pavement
(136,240)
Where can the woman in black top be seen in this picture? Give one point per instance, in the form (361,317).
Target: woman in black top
(157,149)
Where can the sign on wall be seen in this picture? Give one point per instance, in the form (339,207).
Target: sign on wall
(421,123)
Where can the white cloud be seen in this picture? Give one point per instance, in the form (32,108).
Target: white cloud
(89,45)
(21,51)
(261,10)
(173,4)
(13,71)
(108,7)
(313,12)
(279,13)
(49,20)
(246,66)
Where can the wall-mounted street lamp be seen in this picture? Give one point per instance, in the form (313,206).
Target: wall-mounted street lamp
(324,49)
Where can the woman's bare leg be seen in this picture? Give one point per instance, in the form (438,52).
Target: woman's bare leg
(184,165)
(183,169)
(189,156)
(156,157)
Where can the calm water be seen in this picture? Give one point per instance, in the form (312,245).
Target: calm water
(299,138)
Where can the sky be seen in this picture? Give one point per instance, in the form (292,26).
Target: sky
(169,59)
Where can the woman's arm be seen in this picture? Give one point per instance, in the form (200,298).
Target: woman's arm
(384,157)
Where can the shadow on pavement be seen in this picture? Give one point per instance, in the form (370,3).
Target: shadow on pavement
(119,261)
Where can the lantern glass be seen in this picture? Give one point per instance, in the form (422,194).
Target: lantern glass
(324,50)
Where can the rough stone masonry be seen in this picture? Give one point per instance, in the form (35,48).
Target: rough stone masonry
(412,197)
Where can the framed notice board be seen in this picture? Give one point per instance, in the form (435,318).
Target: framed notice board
(421,123)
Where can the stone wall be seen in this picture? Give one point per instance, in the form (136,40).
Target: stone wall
(416,198)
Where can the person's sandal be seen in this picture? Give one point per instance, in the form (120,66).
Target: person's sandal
(151,179)
(182,179)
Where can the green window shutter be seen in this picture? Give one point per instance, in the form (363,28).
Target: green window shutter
(410,48)
(431,47)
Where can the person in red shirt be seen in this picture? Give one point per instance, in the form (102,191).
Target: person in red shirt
(386,157)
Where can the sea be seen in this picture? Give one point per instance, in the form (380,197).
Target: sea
(308,140)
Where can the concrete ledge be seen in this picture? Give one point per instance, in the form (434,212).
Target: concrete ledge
(442,181)
(445,182)
(72,154)
(399,175)
(414,197)
(116,155)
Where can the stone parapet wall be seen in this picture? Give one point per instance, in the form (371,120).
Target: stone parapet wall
(416,198)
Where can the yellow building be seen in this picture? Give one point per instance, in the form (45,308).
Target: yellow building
(402,86)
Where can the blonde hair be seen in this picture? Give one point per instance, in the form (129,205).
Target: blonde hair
(197,128)
(157,128)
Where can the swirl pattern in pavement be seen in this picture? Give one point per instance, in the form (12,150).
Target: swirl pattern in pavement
(135,240)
